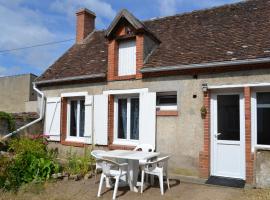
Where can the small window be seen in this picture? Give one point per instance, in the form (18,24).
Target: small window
(263,116)
(76,118)
(127,58)
(167,100)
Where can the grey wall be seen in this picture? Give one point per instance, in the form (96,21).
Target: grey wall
(180,136)
(15,91)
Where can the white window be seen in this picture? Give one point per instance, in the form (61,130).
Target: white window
(127,58)
(167,100)
(126,121)
(262,119)
(75,119)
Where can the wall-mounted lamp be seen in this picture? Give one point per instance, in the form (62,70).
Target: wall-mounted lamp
(204,87)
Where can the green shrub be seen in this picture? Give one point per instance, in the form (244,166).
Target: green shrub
(78,164)
(31,162)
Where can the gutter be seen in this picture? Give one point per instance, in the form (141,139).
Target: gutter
(75,78)
(205,65)
(35,121)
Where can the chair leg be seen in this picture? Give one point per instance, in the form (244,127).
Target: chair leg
(95,176)
(100,184)
(142,181)
(152,181)
(161,184)
(168,183)
(116,186)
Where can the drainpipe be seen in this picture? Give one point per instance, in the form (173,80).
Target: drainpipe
(41,114)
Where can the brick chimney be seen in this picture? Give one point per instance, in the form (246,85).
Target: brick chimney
(85,23)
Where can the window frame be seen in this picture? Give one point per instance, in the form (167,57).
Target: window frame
(166,107)
(118,58)
(128,141)
(76,138)
(254,107)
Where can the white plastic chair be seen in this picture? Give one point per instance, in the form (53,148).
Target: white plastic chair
(157,168)
(95,154)
(111,169)
(144,148)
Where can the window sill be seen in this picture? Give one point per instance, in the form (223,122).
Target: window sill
(121,147)
(127,77)
(167,113)
(74,144)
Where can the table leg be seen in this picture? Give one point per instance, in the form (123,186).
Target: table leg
(133,171)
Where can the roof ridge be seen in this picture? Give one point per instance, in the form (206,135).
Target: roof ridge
(198,11)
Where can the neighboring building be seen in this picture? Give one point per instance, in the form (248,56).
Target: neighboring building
(17,94)
(195,86)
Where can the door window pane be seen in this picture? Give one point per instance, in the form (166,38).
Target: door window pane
(122,118)
(73,118)
(82,114)
(134,119)
(228,117)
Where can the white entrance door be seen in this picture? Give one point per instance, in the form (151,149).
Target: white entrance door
(227,135)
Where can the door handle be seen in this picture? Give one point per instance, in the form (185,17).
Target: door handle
(217,134)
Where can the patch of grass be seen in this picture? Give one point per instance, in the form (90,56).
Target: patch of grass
(185,172)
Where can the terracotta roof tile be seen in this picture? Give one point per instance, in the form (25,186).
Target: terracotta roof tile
(231,32)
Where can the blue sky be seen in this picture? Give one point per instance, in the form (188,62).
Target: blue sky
(30,22)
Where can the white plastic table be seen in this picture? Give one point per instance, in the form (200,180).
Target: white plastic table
(133,158)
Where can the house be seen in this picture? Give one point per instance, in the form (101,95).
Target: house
(17,94)
(194,85)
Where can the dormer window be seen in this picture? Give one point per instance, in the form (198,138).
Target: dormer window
(127,57)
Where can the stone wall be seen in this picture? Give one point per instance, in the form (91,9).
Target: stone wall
(22,119)
(262,169)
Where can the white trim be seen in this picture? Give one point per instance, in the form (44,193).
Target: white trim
(238,85)
(167,108)
(117,140)
(128,91)
(254,107)
(213,126)
(76,138)
(74,94)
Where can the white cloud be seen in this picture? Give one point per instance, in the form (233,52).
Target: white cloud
(102,9)
(167,7)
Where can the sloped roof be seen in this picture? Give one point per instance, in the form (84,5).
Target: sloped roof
(232,32)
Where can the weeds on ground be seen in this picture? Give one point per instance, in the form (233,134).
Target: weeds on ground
(30,161)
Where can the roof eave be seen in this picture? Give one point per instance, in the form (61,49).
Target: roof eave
(74,78)
(205,65)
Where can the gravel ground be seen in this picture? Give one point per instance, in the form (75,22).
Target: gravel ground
(87,189)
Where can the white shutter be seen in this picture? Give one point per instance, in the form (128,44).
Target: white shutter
(127,58)
(88,123)
(101,119)
(52,118)
(147,119)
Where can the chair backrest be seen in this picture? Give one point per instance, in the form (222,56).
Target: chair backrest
(108,165)
(144,148)
(161,162)
(95,153)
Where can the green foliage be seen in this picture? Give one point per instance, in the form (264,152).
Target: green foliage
(78,164)
(10,120)
(32,162)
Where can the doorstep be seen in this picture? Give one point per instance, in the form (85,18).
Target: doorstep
(201,181)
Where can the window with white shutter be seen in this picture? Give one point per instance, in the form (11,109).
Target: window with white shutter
(127,58)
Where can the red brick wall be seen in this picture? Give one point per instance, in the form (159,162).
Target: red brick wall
(113,57)
(139,55)
(204,156)
(111,119)
(249,155)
